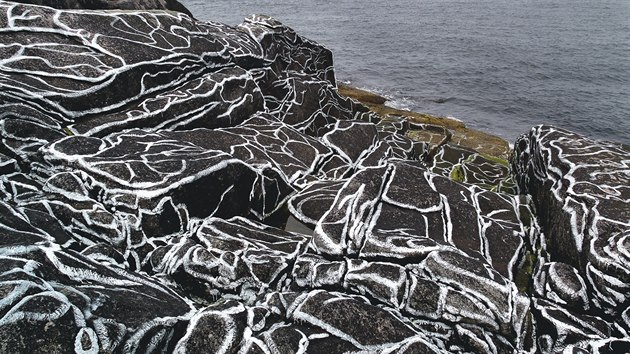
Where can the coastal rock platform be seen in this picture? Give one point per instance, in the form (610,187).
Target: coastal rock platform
(171,185)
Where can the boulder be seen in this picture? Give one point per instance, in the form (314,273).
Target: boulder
(263,142)
(437,290)
(469,166)
(107,66)
(215,329)
(306,103)
(341,313)
(224,98)
(561,283)
(565,329)
(312,202)
(581,188)
(289,52)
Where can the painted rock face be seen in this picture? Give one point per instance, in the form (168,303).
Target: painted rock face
(151,165)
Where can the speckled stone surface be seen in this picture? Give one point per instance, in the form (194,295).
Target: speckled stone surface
(152,165)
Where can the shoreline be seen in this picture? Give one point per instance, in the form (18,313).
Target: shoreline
(461,135)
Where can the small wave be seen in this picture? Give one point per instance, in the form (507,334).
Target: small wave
(455,119)
(394,100)
(398,103)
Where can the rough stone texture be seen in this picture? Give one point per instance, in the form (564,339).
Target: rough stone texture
(376,206)
(151,165)
(140,170)
(469,166)
(563,284)
(230,256)
(219,99)
(57,300)
(312,202)
(581,188)
(172,5)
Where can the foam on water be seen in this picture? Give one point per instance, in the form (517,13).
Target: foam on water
(402,103)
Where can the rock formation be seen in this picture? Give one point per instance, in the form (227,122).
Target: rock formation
(154,167)
(172,5)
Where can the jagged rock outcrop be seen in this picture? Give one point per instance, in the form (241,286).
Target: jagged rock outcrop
(581,189)
(151,166)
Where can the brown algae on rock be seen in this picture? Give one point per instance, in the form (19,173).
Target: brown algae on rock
(482,142)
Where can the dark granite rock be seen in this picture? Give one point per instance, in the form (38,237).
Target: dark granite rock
(581,191)
(138,170)
(235,256)
(609,346)
(307,104)
(563,328)
(290,337)
(377,204)
(219,99)
(468,166)
(402,147)
(24,130)
(7,165)
(289,52)
(352,140)
(55,300)
(383,329)
(264,141)
(149,163)
(66,199)
(17,187)
(561,283)
(312,202)
(447,286)
(342,228)
(218,328)
(172,5)
(97,62)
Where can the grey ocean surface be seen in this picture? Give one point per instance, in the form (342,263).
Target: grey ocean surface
(499,66)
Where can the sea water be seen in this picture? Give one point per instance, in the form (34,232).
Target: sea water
(501,66)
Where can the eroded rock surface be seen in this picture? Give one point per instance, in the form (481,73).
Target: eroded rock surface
(151,165)
(172,5)
(581,189)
